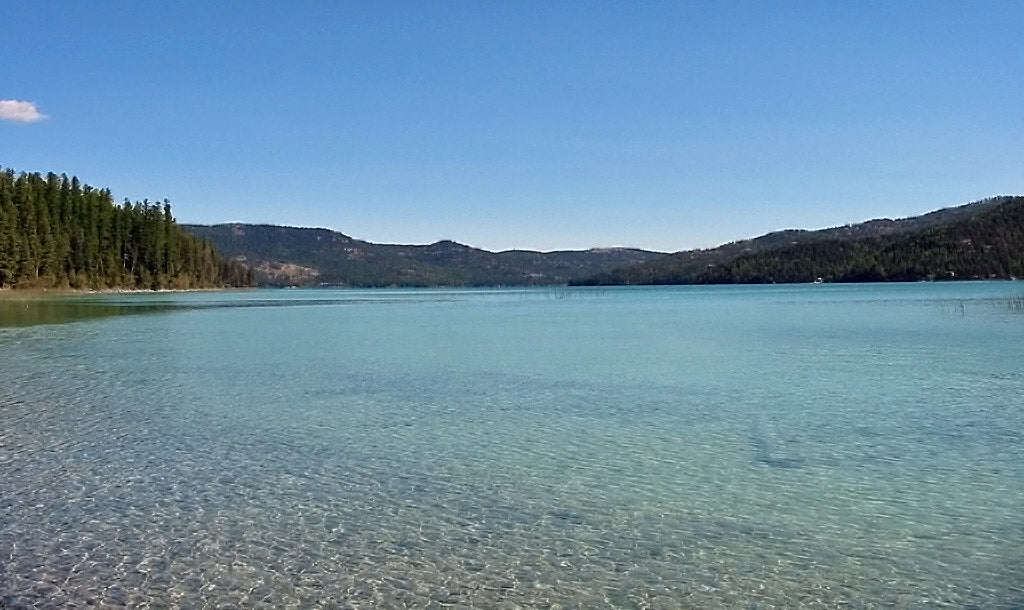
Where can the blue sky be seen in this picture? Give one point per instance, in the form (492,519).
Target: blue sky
(521,124)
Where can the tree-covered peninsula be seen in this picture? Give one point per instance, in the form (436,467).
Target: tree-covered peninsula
(56,232)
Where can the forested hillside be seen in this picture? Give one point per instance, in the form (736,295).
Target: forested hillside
(988,245)
(975,240)
(57,232)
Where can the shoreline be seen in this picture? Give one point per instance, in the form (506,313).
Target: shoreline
(17,294)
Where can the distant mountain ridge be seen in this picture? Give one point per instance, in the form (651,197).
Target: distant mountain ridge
(299,256)
(978,240)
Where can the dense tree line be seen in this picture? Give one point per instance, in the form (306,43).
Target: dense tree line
(57,232)
(988,245)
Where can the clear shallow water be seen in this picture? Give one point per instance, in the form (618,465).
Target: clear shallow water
(814,446)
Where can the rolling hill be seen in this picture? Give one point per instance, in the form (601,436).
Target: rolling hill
(981,240)
(282,256)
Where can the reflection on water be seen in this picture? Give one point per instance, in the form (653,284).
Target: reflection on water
(58,310)
(651,448)
(31,311)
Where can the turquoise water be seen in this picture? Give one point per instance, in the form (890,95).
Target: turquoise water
(734,447)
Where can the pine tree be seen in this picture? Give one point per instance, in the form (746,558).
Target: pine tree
(55,231)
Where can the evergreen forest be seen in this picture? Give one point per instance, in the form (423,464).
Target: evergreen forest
(56,232)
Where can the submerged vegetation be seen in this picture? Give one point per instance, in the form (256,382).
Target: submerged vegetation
(56,232)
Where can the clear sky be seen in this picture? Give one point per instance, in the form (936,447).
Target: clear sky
(522,124)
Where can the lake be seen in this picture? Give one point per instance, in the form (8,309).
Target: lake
(724,446)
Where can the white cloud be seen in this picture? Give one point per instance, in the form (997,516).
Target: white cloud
(22,112)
